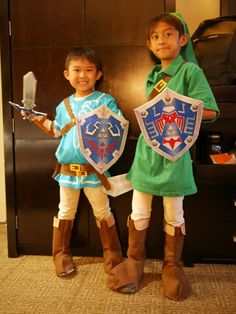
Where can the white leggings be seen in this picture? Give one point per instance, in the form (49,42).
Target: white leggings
(69,199)
(173,208)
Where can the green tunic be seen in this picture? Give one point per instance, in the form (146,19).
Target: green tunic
(150,172)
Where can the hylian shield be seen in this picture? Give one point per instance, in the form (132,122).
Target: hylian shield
(102,137)
(170,123)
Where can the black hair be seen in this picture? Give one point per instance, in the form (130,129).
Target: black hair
(84,53)
(168,18)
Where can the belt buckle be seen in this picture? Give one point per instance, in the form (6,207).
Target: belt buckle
(160,85)
(77,169)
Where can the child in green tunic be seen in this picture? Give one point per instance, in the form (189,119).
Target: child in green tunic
(151,174)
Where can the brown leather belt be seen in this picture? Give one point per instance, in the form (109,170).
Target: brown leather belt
(79,170)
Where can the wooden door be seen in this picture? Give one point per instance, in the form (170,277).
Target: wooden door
(41,36)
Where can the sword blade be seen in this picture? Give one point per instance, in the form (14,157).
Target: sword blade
(29,90)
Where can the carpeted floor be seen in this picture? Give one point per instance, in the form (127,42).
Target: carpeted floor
(28,284)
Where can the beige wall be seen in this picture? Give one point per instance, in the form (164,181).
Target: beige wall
(193,12)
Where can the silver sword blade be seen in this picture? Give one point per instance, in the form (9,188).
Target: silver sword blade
(29,90)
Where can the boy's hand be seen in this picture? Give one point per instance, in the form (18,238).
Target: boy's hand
(28,116)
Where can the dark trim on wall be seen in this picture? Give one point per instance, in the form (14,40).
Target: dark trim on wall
(227,7)
(169,5)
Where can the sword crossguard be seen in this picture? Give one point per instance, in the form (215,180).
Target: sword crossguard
(28,104)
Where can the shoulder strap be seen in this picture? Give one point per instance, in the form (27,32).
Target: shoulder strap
(68,108)
(69,125)
(160,85)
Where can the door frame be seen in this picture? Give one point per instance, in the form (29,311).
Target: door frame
(8,128)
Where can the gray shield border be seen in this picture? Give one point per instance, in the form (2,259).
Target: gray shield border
(167,95)
(102,112)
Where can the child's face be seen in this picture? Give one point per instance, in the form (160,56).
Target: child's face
(165,43)
(82,75)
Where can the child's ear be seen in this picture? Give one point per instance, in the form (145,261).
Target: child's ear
(183,40)
(149,44)
(66,74)
(99,75)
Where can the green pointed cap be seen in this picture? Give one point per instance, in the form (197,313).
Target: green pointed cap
(187,51)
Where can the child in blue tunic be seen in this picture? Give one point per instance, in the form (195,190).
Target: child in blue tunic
(151,174)
(82,70)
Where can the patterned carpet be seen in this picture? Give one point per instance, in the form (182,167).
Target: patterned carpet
(28,284)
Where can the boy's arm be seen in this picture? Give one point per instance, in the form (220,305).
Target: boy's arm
(45,124)
(208,114)
(199,88)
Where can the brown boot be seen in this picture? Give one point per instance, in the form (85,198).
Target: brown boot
(126,277)
(175,283)
(112,253)
(61,247)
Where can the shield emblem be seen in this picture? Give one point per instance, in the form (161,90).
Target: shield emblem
(170,123)
(102,137)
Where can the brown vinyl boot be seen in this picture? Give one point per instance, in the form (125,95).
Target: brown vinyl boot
(175,283)
(61,247)
(126,277)
(112,254)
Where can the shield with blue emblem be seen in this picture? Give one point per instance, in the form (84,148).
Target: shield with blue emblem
(170,123)
(102,137)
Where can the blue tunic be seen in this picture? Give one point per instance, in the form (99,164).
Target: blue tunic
(68,151)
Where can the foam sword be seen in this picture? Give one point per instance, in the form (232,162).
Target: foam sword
(29,92)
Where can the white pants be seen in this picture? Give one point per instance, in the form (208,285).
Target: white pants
(69,199)
(173,208)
